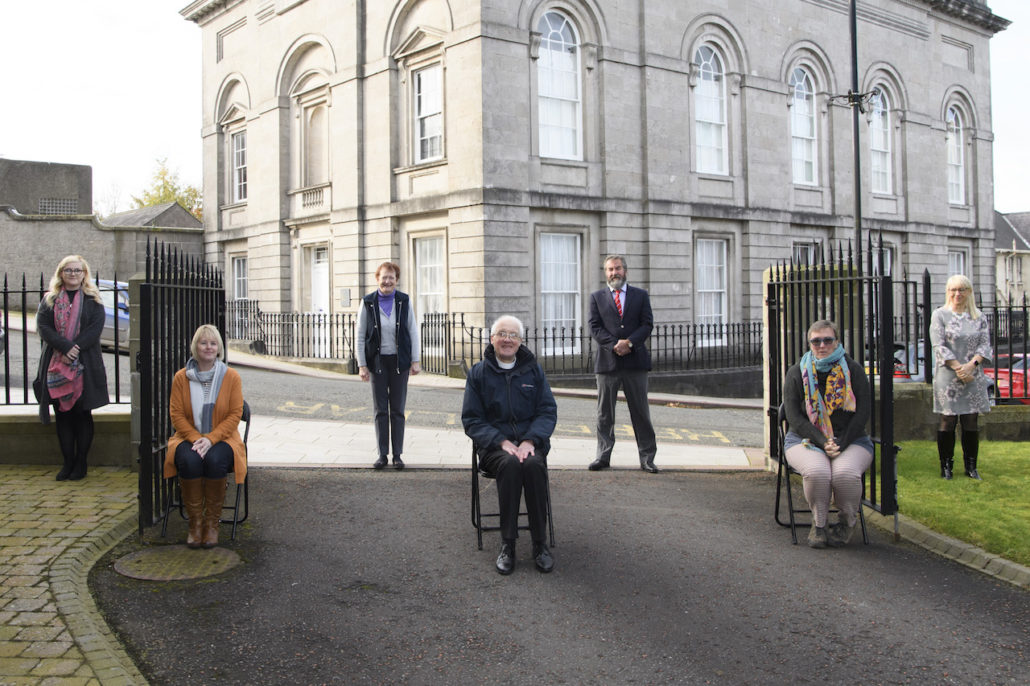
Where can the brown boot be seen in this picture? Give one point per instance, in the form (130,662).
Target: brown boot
(214,494)
(193,501)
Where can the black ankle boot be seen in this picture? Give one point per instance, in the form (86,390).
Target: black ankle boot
(970,451)
(79,470)
(946,451)
(66,470)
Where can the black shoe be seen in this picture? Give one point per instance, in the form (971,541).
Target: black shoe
(380,463)
(598,465)
(65,472)
(398,463)
(506,559)
(973,474)
(542,557)
(648,466)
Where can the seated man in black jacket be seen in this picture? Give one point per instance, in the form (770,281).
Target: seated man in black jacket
(509,412)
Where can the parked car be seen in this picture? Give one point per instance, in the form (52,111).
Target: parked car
(116,313)
(904,370)
(1009,373)
(908,362)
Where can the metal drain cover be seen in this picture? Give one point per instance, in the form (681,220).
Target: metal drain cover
(174,562)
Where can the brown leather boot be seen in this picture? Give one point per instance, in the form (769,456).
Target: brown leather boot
(214,494)
(193,501)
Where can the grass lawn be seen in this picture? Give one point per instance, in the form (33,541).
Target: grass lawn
(993,514)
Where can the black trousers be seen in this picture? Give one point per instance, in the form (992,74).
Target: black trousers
(216,464)
(514,478)
(389,395)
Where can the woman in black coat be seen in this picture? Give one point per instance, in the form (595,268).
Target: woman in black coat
(71,374)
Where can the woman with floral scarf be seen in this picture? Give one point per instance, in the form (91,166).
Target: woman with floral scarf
(71,374)
(205,406)
(827,402)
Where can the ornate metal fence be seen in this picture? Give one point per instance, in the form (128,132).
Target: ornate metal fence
(177,295)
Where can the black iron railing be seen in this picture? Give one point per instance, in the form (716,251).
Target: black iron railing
(862,307)
(20,347)
(291,334)
(448,339)
(177,295)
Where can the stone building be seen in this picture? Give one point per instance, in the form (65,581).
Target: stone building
(1012,252)
(498,149)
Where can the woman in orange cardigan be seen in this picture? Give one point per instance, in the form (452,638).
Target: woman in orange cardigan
(205,407)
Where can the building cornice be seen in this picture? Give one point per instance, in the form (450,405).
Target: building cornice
(974,11)
(201,11)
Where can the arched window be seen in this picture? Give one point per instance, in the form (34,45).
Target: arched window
(956,160)
(710,112)
(559,88)
(880,157)
(803,127)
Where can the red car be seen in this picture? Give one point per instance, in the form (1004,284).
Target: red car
(1010,376)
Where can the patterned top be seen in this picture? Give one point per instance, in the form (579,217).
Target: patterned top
(957,336)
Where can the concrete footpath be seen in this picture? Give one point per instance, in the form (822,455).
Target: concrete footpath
(52,533)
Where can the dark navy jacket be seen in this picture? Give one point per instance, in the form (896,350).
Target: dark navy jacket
(372,338)
(514,404)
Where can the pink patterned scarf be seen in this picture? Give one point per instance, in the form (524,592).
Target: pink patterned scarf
(64,380)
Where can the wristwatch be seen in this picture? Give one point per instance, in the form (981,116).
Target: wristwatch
(630,343)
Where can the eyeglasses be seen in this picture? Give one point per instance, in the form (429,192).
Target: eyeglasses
(68,270)
(508,334)
(821,341)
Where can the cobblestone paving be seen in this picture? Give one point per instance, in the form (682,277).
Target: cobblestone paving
(51,534)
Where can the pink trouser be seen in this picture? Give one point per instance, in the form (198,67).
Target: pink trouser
(821,477)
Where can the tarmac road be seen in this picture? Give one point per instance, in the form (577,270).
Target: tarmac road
(348,399)
(354,576)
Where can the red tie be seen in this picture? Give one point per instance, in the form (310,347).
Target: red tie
(618,301)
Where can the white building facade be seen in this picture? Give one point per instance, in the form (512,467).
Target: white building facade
(498,149)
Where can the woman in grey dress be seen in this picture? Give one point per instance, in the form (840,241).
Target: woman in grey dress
(961,344)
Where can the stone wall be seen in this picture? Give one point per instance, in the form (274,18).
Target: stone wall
(33,245)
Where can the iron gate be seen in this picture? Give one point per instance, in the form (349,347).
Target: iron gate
(177,295)
(862,306)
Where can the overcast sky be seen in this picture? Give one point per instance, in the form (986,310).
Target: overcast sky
(115,84)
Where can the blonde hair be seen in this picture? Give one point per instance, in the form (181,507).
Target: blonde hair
(963,281)
(57,281)
(210,331)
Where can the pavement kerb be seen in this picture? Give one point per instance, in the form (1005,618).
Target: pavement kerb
(953,549)
(68,582)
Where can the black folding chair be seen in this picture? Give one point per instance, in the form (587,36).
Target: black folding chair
(783,474)
(477,512)
(242,490)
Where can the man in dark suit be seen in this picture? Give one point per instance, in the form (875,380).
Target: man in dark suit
(620,322)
